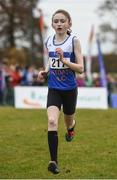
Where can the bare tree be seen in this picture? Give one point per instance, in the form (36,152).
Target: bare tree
(19,28)
(108,22)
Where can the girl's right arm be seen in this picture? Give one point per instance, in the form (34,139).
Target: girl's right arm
(43,73)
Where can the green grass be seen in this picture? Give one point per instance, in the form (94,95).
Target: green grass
(24,150)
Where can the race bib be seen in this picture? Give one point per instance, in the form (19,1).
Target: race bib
(55,63)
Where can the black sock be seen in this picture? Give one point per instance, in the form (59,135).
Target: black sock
(53,144)
(72,129)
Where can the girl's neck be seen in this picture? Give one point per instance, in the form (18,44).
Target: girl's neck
(60,37)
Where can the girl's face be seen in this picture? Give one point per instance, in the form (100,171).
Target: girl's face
(60,23)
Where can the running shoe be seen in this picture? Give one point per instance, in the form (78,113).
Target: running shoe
(70,134)
(53,167)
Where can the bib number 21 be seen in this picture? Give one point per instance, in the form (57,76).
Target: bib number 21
(56,63)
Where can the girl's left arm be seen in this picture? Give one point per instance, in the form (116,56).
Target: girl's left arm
(79,65)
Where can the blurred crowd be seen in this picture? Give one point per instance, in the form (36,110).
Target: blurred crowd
(14,75)
(95,81)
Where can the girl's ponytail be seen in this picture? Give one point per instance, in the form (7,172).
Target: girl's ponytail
(69,32)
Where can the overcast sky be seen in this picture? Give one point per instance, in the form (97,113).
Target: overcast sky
(83,14)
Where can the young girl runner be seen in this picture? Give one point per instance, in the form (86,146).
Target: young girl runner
(65,58)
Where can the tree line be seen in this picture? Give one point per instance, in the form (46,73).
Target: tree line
(20,31)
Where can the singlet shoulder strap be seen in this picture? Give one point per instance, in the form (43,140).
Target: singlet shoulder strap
(46,43)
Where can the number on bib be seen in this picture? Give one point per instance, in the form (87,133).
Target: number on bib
(56,63)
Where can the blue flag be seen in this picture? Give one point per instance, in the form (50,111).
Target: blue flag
(101,66)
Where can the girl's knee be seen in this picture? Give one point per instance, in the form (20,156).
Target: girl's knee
(52,124)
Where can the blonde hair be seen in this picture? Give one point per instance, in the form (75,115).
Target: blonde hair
(67,15)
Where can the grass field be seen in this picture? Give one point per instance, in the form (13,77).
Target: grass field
(24,150)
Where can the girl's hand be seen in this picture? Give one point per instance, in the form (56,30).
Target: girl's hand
(59,52)
(42,75)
